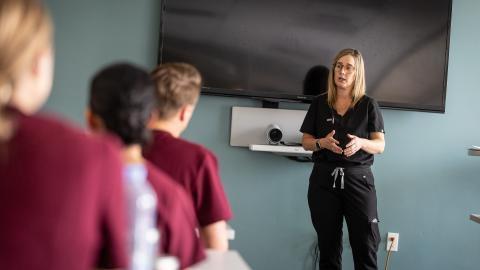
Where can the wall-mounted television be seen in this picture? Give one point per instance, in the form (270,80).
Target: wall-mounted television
(278,49)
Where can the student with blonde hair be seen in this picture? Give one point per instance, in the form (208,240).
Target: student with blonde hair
(192,165)
(61,193)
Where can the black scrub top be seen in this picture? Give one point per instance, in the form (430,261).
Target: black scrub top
(365,117)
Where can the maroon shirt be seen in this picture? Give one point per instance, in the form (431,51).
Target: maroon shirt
(176,219)
(61,199)
(195,168)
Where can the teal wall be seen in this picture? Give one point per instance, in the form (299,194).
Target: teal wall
(427,185)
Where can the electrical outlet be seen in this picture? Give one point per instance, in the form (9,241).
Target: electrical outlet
(395,237)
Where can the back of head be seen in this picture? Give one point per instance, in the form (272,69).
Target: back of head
(25,29)
(123,96)
(177,85)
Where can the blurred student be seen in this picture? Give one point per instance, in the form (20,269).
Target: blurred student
(193,166)
(61,195)
(121,101)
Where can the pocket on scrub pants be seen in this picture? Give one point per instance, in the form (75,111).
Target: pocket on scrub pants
(320,177)
(374,233)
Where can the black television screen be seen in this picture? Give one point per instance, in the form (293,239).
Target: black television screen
(280,48)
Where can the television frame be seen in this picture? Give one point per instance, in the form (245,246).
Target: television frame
(271,99)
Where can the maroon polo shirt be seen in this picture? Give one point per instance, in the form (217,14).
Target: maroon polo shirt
(195,168)
(176,219)
(61,199)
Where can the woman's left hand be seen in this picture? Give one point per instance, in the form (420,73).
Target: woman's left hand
(353,146)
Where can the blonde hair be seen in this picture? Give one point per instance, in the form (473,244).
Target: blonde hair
(177,85)
(25,28)
(359,86)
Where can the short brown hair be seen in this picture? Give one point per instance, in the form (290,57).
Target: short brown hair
(177,85)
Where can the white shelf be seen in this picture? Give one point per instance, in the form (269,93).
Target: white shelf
(281,150)
(475,217)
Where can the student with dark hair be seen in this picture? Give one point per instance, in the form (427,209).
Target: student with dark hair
(61,191)
(192,165)
(121,101)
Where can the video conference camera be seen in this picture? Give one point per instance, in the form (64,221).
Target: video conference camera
(274,134)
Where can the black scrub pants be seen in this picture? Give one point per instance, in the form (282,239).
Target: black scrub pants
(357,202)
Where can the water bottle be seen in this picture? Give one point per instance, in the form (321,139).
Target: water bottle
(142,206)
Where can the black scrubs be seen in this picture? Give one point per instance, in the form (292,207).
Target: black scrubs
(344,186)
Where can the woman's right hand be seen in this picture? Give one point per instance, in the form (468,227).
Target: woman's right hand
(328,142)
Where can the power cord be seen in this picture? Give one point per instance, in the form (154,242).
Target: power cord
(392,239)
(290,143)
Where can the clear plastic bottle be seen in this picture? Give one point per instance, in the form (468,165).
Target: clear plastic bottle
(142,205)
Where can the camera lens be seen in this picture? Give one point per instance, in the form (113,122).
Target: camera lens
(275,135)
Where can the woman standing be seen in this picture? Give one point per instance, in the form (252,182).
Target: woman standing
(344,128)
